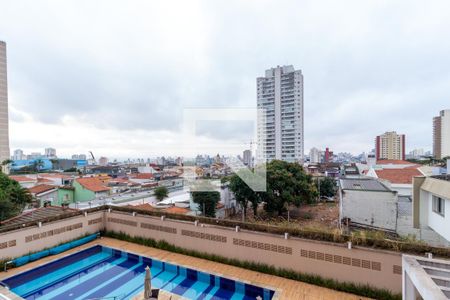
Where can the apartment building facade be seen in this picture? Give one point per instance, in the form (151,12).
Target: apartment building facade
(280,123)
(441,134)
(4,127)
(390,145)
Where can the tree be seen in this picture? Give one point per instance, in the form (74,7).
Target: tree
(244,194)
(207,202)
(287,184)
(161,192)
(13,197)
(327,187)
(5,164)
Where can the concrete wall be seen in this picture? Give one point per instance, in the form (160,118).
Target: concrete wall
(437,222)
(378,209)
(381,269)
(31,239)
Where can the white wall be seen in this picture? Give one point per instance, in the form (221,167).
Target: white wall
(440,224)
(378,209)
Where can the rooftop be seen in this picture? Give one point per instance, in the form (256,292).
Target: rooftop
(400,176)
(442,177)
(363,184)
(41,188)
(37,215)
(95,184)
(21,178)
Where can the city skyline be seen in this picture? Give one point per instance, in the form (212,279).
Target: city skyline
(78,89)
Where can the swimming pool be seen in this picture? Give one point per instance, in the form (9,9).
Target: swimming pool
(100,272)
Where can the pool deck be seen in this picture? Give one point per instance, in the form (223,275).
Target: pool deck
(285,288)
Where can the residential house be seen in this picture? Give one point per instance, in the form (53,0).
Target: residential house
(44,194)
(91,188)
(367,202)
(24,181)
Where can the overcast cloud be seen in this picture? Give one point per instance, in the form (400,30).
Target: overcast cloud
(114,76)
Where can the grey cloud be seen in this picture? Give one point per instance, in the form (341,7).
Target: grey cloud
(368,67)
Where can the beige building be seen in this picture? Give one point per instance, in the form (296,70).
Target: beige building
(390,145)
(441,134)
(4,128)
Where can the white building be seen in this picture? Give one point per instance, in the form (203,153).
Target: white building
(280,127)
(4,127)
(314,156)
(417,153)
(50,152)
(18,155)
(247,158)
(367,202)
(425,278)
(431,204)
(441,134)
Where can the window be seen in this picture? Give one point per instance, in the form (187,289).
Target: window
(439,205)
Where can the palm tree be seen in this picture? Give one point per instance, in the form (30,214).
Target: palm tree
(5,164)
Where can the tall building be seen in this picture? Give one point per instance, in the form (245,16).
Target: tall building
(314,156)
(390,145)
(4,127)
(18,155)
(247,158)
(280,128)
(50,152)
(328,155)
(441,134)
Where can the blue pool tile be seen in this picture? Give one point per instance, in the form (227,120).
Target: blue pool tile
(147,261)
(191,274)
(123,280)
(183,286)
(104,272)
(51,291)
(86,286)
(60,263)
(227,284)
(133,257)
(66,274)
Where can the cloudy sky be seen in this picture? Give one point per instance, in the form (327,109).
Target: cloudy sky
(114,76)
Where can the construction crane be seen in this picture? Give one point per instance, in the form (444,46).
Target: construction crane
(93,158)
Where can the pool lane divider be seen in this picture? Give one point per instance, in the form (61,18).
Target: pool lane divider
(20,261)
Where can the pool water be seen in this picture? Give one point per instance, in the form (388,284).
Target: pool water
(100,272)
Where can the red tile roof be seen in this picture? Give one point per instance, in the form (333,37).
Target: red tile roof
(20,178)
(401,176)
(176,210)
(170,210)
(41,188)
(142,176)
(95,184)
(43,180)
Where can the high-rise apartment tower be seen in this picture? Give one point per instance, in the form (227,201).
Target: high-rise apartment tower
(441,135)
(280,126)
(390,145)
(4,127)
